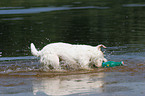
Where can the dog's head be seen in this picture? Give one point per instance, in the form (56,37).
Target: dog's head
(100,58)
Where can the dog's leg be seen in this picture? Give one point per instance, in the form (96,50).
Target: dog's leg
(84,63)
(55,64)
(69,61)
(51,59)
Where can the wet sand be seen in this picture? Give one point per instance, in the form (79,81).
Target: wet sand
(116,81)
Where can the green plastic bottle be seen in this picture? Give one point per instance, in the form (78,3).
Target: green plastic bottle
(112,64)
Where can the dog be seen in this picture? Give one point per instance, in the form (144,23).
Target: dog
(83,56)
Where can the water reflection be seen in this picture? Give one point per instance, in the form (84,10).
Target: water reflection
(11,7)
(133,5)
(66,85)
(113,24)
(17,18)
(45,9)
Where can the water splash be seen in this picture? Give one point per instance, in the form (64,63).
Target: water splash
(28,64)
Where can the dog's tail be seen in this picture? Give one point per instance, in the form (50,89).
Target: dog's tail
(101,45)
(34,50)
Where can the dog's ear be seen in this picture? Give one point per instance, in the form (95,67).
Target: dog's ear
(99,46)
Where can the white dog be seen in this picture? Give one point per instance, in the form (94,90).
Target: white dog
(81,55)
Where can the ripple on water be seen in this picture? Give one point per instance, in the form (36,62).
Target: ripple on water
(133,5)
(46,9)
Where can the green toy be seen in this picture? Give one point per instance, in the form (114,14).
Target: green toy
(112,64)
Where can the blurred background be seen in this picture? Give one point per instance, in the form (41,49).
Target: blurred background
(109,22)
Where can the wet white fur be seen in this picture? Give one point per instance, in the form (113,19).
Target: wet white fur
(81,55)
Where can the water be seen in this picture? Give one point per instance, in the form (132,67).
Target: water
(119,25)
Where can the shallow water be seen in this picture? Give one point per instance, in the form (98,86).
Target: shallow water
(119,25)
